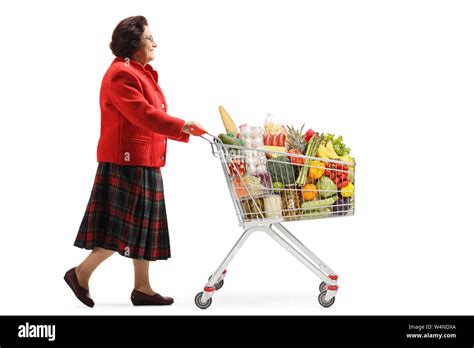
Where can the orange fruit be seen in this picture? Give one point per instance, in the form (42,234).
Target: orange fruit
(309,192)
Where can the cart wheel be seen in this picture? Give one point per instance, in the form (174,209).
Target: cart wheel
(218,285)
(323,302)
(323,287)
(197,301)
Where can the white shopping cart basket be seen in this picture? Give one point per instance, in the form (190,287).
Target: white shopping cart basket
(264,200)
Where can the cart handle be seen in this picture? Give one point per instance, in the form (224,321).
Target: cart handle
(197,131)
(211,139)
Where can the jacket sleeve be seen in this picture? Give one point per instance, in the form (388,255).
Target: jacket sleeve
(184,137)
(127,96)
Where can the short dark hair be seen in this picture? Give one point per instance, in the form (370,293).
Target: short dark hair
(127,36)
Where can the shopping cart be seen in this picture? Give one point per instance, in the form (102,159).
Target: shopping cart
(269,197)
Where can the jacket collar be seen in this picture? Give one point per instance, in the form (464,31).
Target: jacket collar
(138,66)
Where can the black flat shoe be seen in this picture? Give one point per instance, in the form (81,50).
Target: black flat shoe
(141,299)
(81,293)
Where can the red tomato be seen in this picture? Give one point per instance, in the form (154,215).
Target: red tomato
(345,167)
(338,181)
(345,183)
(296,160)
(339,166)
(339,186)
(333,176)
(327,172)
(344,175)
(325,164)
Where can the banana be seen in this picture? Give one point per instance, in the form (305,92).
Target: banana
(330,151)
(322,152)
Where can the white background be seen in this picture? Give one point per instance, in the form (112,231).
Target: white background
(396,78)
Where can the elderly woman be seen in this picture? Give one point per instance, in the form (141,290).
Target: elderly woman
(126,211)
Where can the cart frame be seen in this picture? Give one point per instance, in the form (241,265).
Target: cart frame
(273,228)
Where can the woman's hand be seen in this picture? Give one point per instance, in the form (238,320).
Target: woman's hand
(188,125)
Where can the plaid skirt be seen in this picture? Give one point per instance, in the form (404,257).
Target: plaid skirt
(126,213)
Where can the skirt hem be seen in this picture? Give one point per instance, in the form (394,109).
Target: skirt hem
(120,252)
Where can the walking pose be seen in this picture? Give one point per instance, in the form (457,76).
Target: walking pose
(126,212)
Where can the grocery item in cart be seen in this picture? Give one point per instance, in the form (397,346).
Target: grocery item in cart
(281,170)
(240,188)
(252,137)
(237,165)
(342,206)
(274,151)
(265,180)
(336,145)
(253,209)
(309,192)
(272,125)
(274,134)
(316,170)
(312,147)
(296,140)
(229,124)
(291,203)
(254,185)
(317,209)
(256,162)
(230,139)
(348,190)
(326,187)
(272,204)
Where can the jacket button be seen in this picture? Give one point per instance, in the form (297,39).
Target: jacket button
(162,158)
(162,106)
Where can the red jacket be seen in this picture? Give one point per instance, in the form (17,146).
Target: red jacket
(134,123)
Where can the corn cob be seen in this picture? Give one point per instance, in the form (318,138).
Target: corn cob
(229,124)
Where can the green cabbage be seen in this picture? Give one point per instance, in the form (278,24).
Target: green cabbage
(326,187)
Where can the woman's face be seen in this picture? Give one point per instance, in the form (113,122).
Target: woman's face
(145,53)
